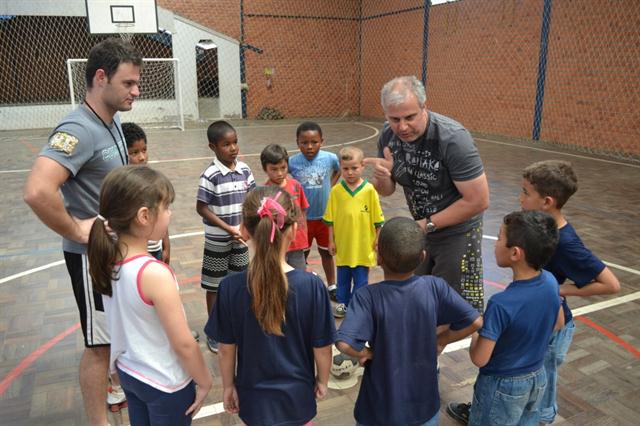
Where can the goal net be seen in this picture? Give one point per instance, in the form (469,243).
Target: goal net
(160,102)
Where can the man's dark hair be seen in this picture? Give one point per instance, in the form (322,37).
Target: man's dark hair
(401,244)
(217,130)
(108,55)
(307,126)
(133,133)
(273,154)
(533,231)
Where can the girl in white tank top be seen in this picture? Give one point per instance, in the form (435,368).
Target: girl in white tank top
(159,363)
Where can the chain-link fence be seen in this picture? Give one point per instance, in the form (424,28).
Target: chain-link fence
(565,72)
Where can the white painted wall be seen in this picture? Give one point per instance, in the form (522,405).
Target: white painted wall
(187,35)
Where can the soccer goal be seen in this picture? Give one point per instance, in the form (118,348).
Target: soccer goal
(160,101)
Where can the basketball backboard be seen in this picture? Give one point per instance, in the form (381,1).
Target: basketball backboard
(122,16)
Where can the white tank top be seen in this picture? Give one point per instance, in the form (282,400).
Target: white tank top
(139,345)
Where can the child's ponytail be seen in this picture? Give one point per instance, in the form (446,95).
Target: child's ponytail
(267,213)
(124,191)
(102,252)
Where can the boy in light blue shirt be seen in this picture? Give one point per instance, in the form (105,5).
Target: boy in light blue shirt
(317,171)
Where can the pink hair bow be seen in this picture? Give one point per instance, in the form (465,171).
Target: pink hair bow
(265,208)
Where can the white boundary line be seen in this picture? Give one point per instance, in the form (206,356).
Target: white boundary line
(197,233)
(31,271)
(602,160)
(179,160)
(622,268)
(209,410)
(375,134)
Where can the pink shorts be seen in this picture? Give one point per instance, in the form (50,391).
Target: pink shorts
(320,231)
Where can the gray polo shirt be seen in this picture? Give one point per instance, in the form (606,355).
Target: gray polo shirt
(84,146)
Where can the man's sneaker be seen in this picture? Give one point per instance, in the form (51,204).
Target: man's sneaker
(195,335)
(333,292)
(340,310)
(459,411)
(116,399)
(212,345)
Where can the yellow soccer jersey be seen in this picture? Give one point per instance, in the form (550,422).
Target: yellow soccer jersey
(354,215)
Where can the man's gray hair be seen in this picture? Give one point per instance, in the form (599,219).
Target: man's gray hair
(395,92)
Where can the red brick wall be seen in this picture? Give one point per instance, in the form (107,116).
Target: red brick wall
(391,46)
(592,93)
(310,46)
(482,61)
(222,16)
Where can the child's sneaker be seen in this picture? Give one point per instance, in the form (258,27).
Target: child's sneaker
(340,310)
(116,399)
(333,292)
(459,411)
(212,345)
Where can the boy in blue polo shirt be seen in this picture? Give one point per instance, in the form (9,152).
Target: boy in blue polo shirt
(518,322)
(398,318)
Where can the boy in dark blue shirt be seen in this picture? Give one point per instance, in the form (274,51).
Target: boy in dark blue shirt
(547,186)
(510,346)
(398,318)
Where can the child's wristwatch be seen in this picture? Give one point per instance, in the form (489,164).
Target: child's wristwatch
(431,227)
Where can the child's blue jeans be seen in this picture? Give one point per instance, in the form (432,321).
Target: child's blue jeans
(511,400)
(150,406)
(360,276)
(555,355)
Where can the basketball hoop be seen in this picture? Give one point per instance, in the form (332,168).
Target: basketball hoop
(124,29)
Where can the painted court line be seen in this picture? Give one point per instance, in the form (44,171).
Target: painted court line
(622,268)
(585,157)
(31,271)
(198,233)
(32,357)
(626,345)
(584,310)
(375,134)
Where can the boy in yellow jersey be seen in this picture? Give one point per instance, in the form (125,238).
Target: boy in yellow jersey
(354,217)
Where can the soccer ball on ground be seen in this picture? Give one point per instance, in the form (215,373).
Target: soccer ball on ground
(343,366)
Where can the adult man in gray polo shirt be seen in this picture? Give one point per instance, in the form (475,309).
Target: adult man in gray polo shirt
(83,148)
(435,160)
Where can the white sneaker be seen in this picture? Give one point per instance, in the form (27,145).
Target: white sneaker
(115,395)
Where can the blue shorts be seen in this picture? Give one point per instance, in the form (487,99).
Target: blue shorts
(150,406)
(511,400)
(360,277)
(555,355)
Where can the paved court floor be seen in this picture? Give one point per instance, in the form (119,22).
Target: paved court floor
(40,344)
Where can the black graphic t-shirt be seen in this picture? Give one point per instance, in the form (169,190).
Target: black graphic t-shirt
(427,167)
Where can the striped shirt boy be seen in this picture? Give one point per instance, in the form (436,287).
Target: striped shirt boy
(224,191)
